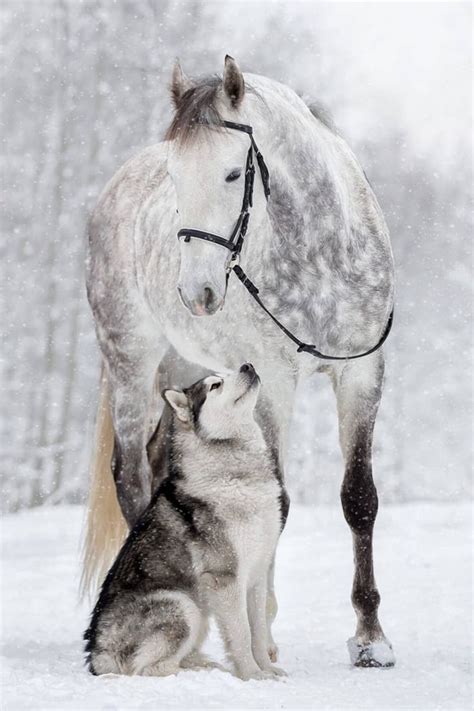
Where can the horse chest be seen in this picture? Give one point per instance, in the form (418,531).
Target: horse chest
(226,340)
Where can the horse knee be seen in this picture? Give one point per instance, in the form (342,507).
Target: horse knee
(366,601)
(132,482)
(359,501)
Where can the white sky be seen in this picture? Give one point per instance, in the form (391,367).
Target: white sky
(412,59)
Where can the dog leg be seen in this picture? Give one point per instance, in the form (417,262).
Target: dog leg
(257,612)
(271,612)
(230,607)
(148,636)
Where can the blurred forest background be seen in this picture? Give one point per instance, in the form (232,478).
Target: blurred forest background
(84,87)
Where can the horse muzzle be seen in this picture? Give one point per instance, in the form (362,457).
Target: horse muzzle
(204,302)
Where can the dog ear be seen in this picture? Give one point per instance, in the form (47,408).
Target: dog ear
(179,402)
(180,84)
(233,80)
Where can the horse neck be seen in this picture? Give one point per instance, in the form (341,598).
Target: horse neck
(322,253)
(317,185)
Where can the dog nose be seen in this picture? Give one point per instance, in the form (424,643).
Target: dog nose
(247,368)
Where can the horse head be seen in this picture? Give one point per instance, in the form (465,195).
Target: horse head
(209,167)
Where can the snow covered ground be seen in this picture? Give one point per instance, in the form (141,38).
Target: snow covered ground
(423,568)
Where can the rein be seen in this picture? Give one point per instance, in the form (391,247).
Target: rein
(235,243)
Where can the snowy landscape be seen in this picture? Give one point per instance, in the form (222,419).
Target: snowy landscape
(85,87)
(425,612)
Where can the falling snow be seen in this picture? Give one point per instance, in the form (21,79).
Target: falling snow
(85,86)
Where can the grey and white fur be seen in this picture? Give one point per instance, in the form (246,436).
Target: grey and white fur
(204,546)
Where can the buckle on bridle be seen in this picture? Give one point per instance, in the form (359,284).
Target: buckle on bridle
(233,262)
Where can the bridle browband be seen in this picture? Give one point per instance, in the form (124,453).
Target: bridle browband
(235,243)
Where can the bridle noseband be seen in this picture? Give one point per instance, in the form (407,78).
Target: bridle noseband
(235,243)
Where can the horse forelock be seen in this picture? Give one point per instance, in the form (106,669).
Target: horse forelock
(197,109)
(200,107)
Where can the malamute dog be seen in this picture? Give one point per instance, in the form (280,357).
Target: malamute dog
(204,546)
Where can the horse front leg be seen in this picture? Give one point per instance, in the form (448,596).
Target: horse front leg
(132,396)
(358,387)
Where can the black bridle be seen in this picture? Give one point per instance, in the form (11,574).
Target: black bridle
(236,240)
(235,243)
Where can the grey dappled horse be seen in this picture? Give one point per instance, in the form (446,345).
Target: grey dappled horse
(318,248)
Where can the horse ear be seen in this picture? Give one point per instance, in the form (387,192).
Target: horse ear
(179,402)
(180,84)
(233,80)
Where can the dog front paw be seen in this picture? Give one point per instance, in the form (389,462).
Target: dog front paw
(273,652)
(259,674)
(276,671)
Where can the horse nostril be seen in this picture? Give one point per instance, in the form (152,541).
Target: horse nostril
(204,302)
(209,298)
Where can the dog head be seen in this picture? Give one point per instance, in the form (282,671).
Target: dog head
(217,407)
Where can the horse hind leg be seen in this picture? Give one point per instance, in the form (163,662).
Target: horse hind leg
(358,387)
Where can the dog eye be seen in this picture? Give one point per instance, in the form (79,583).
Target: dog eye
(234,175)
(215,386)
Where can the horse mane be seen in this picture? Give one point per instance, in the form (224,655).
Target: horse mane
(197,109)
(322,114)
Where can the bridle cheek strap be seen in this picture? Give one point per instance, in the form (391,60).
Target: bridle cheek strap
(236,240)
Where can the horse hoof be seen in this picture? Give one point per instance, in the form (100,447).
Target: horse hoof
(374,654)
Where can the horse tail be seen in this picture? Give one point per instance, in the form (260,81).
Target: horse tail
(105,527)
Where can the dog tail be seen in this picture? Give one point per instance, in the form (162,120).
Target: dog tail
(105,527)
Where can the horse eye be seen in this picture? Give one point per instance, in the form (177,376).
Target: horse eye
(215,386)
(234,175)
